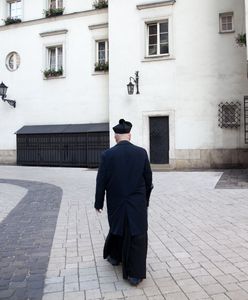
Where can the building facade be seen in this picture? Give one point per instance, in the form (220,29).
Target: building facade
(69,62)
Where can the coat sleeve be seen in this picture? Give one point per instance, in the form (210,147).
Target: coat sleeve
(148,179)
(100,184)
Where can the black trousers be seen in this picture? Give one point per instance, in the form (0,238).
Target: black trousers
(130,250)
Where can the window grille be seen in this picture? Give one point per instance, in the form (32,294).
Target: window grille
(229,114)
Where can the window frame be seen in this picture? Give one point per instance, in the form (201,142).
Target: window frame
(56,47)
(157,22)
(16,61)
(56,4)
(46,63)
(106,58)
(9,14)
(221,16)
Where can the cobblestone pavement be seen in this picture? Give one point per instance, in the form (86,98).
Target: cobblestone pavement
(198,237)
(233,179)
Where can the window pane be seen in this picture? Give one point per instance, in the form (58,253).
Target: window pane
(164,38)
(52,61)
(152,40)
(153,50)
(229,26)
(152,29)
(52,4)
(60,58)
(163,27)
(60,3)
(11,62)
(224,27)
(101,46)
(164,49)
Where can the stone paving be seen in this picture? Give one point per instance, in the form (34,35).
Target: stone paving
(198,237)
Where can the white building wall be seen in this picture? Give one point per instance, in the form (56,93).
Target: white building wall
(204,69)
(79,97)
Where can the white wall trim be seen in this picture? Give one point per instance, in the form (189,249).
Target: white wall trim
(155,4)
(146,131)
(55,32)
(98,26)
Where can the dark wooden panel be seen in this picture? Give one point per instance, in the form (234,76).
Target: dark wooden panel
(69,149)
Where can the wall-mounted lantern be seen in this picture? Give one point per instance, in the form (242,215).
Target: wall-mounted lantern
(3,94)
(130,86)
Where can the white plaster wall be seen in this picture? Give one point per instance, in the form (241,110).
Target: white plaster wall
(205,68)
(80,97)
(31,11)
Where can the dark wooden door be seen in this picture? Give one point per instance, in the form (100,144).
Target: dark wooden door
(159,140)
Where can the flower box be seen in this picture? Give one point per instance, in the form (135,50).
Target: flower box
(10,21)
(53,12)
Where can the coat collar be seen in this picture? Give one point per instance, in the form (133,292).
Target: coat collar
(123,143)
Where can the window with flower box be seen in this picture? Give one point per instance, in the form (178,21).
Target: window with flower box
(102,54)
(15,9)
(54,65)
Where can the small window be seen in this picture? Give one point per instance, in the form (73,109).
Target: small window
(15,9)
(226,22)
(55,4)
(54,65)
(158,38)
(229,114)
(102,54)
(13,61)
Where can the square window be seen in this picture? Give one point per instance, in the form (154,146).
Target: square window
(226,22)
(158,38)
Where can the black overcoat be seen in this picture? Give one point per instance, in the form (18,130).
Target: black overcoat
(125,175)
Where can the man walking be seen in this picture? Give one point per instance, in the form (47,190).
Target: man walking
(125,175)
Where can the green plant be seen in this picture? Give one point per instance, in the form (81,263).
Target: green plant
(53,12)
(98,4)
(11,20)
(241,39)
(101,66)
(53,73)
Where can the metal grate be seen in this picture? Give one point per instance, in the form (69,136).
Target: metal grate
(229,114)
(67,149)
(246,118)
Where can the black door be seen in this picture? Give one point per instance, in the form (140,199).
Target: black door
(159,140)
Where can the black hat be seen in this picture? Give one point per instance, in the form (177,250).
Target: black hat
(122,127)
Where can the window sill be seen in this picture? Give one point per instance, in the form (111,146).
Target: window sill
(54,77)
(158,58)
(95,73)
(223,32)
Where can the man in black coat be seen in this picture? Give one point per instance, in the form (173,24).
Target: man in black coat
(125,175)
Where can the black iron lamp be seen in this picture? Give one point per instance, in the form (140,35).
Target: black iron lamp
(130,86)
(3,94)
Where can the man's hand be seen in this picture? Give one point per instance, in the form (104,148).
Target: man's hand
(99,210)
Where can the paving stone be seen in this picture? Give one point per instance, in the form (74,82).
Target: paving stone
(197,239)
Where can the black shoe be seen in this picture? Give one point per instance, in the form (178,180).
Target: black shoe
(113,261)
(134,281)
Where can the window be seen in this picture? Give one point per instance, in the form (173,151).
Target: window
(226,22)
(55,58)
(102,51)
(102,54)
(158,38)
(12,61)
(229,114)
(15,9)
(54,65)
(55,4)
